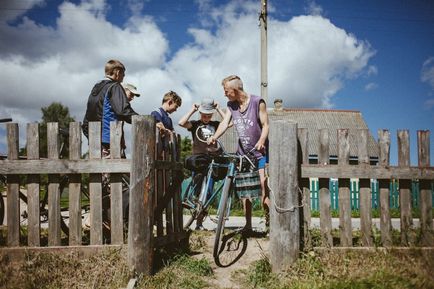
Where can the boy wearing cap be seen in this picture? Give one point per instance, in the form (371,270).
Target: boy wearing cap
(108,102)
(204,128)
(130,91)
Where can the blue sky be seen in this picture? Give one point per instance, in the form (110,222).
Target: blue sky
(373,56)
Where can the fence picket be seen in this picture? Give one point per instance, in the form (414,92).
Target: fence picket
(33,222)
(404,188)
(95,185)
(303,138)
(324,192)
(116,215)
(13,188)
(384,160)
(54,233)
(344,190)
(365,190)
(426,222)
(74,186)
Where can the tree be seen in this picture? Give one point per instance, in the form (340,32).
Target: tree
(186,150)
(55,112)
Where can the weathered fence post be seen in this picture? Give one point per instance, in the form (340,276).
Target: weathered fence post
(365,190)
(13,201)
(385,221)
(140,221)
(74,186)
(344,190)
(116,214)
(54,233)
(95,185)
(303,138)
(426,223)
(34,223)
(284,215)
(324,192)
(404,188)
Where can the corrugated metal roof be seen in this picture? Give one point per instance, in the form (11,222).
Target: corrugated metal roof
(314,120)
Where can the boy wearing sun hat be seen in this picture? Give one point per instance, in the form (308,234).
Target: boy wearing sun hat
(201,130)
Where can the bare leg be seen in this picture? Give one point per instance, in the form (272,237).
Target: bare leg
(247,203)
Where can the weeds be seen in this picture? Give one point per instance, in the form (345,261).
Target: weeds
(181,272)
(359,270)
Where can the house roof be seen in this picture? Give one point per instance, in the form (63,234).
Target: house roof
(314,120)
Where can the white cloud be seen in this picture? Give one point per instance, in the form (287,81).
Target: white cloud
(371,86)
(313,8)
(372,70)
(427,73)
(309,58)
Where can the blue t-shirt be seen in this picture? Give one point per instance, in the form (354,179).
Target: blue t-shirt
(162,116)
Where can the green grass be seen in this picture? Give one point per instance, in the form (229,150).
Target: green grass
(337,270)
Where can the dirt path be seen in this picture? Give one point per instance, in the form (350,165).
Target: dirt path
(225,277)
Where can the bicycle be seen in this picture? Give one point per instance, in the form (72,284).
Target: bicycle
(240,172)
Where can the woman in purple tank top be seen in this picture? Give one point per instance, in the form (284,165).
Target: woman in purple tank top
(249,115)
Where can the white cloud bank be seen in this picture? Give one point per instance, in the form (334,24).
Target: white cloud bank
(427,74)
(309,58)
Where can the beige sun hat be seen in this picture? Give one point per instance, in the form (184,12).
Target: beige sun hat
(131,88)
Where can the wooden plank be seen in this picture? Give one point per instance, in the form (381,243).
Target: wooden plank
(405,188)
(17,255)
(366,172)
(384,160)
(303,138)
(177,207)
(323,150)
(159,181)
(116,215)
(426,216)
(284,213)
(95,187)
(140,236)
(324,193)
(62,166)
(74,186)
(13,188)
(33,221)
(54,233)
(346,233)
(167,175)
(365,190)
(365,212)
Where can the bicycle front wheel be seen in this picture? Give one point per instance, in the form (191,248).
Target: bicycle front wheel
(223,215)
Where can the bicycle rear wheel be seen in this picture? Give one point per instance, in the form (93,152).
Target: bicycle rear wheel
(192,202)
(223,215)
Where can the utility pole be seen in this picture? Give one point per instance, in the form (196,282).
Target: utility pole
(264,56)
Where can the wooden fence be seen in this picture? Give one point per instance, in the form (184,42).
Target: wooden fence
(382,172)
(154,171)
(290,171)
